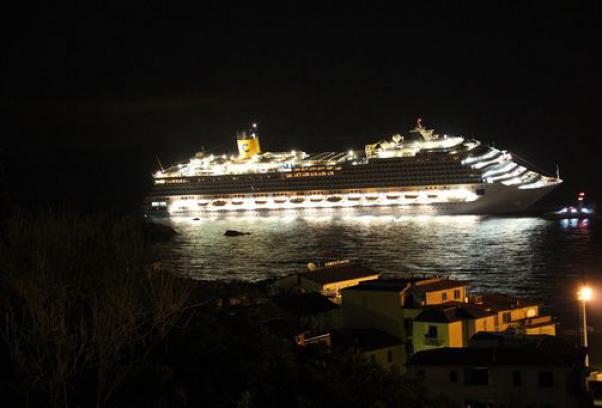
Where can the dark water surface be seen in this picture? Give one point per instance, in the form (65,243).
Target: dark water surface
(525,256)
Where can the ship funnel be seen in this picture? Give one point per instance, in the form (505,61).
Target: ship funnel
(248,142)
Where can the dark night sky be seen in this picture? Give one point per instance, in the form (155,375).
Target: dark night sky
(111,83)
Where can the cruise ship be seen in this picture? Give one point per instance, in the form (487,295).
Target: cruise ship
(420,172)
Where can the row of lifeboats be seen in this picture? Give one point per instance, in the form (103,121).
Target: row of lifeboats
(313,199)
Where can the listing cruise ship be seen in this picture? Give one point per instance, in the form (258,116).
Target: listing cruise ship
(421,172)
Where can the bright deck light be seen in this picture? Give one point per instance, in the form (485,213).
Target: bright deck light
(585,294)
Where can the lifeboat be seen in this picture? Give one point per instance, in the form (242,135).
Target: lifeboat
(219,203)
(297,200)
(316,199)
(354,197)
(371,197)
(202,203)
(280,200)
(411,196)
(393,196)
(261,201)
(432,196)
(334,199)
(237,201)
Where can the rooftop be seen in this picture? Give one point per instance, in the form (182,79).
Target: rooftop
(440,284)
(501,301)
(418,283)
(538,351)
(452,312)
(339,273)
(363,339)
(305,304)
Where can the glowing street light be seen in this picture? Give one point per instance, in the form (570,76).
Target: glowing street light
(585,294)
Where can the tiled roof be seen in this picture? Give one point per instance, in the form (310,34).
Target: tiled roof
(452,312)
(502,301)
(364,339)
(435,286)
(339,273)
(399,284)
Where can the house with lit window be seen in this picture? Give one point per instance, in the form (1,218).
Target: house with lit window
(515,314)
(450,325)
(392,305)
(510,370)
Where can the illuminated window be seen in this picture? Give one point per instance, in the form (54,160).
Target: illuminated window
(444,296)
(457,294)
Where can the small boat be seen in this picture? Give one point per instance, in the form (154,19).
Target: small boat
(219,203)
(238,201)
(411,196)
(576,212)
(334,199)
(261,201)
(354,197)
(280,200)
(316,199)
(372,197)
(297,200)
(393,196)
(233,233)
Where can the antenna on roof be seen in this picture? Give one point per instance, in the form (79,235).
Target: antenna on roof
(159,161)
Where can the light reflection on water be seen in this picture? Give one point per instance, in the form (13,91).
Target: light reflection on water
(526,256)
(496,253)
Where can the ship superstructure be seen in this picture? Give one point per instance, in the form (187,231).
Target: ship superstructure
(420,172)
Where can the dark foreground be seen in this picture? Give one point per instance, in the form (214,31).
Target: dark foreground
(91,318)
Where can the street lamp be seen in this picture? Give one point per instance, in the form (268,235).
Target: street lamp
(585,295)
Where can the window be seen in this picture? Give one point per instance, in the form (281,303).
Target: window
(457,294)
(444,296)
(546,379)
(389,356)
(517,378)
(432,332)
(507,317)
(453,376)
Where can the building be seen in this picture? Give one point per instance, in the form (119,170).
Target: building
(392,305)
(505,370)
(311,311)
(522,315)
(374,345)
(331,278)
(450,325)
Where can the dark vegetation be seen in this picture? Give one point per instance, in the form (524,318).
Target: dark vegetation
(91,318)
